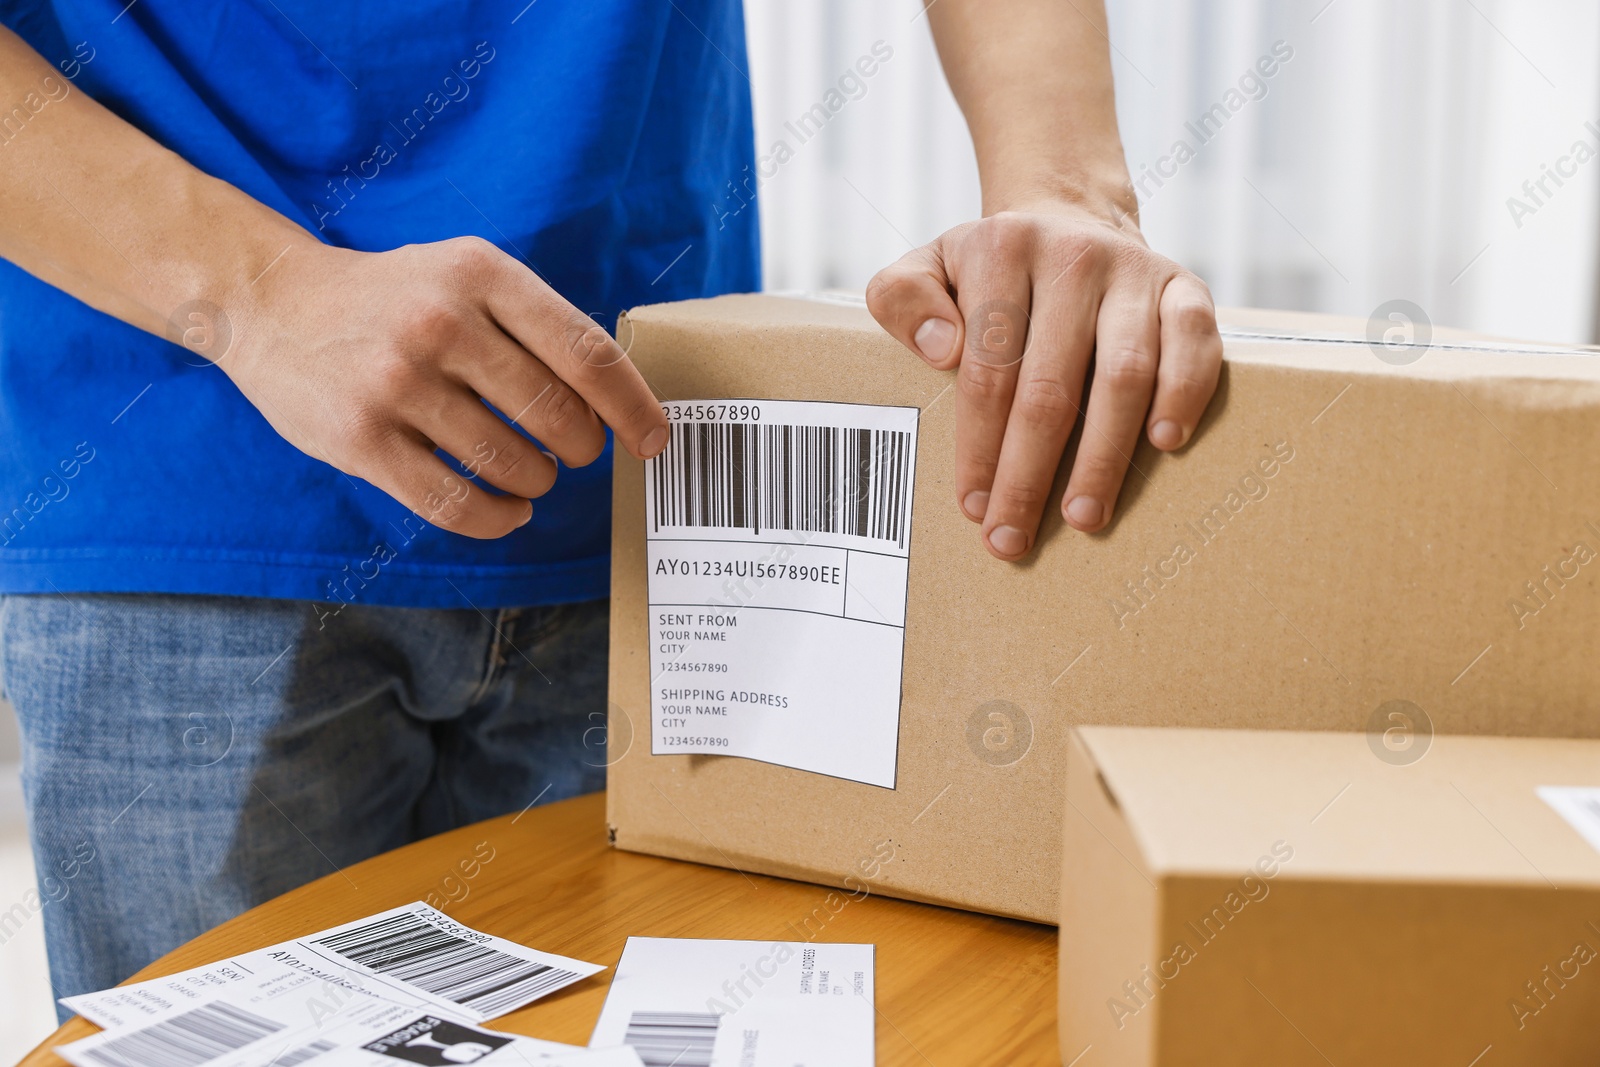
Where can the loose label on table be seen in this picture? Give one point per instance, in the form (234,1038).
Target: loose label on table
(362,1032)
(711,1003)
(412,955)
(778,545)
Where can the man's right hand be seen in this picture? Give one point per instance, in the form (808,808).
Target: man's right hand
(372,360)
(369,361)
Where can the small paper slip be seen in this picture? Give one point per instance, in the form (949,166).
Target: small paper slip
(411,955)
(367,1031)
(1579,805)
(690,1003)
(779,546)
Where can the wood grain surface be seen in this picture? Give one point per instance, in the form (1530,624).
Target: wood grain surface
(953,988)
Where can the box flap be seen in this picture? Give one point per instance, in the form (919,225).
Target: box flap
(1302,340)
(1209,802)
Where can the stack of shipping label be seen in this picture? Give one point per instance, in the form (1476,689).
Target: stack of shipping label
(413,984)
(1390,537)
(408,984)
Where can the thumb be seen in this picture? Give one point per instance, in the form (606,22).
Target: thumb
(911,299)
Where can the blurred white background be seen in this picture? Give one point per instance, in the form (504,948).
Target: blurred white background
(28,1013)
(1375,163)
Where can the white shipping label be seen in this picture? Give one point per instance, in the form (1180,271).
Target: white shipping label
(368,1032)
(693,1003)
(411,955)
(1579,805)
(779,537)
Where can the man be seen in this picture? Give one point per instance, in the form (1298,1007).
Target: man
(293,590)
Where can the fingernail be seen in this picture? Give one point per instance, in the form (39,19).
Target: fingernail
(1085,512)
(653,442)
(976,505)
(1166,434)
(1008,540)
(526,518)
(934,339)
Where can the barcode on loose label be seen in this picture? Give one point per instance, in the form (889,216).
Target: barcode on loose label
(779,538)
(198,1036)
(407,947)
(673,1038)
(303,1053)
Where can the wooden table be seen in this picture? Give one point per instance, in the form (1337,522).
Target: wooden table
(952,987)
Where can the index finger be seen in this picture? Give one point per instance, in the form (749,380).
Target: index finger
(581,353)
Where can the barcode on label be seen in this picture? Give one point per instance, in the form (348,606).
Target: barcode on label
(673,1038)
(302,1054)
(186,1040)
(476,976)
(819,479)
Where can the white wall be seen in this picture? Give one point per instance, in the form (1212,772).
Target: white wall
(890,171)
(28,1015)
(10,744)
(1376,166)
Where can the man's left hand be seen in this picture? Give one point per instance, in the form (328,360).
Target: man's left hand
(1020,304)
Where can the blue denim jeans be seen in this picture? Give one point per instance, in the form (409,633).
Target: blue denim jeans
(186,758)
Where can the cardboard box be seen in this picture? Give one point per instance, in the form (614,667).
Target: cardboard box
(1288,898)
(1345,540)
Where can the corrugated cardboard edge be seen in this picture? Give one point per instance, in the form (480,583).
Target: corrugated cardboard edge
(1109,897)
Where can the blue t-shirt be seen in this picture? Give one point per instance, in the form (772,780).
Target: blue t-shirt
(596,139)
